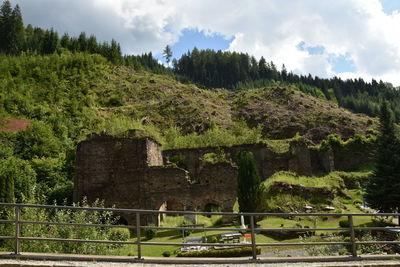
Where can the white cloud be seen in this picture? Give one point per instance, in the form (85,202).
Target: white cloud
(268,28)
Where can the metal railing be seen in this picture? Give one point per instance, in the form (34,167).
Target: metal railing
(353,243)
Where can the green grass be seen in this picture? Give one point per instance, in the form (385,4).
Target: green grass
(330,181)
(346,199)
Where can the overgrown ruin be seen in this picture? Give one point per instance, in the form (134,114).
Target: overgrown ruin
(132,171)
(129,172)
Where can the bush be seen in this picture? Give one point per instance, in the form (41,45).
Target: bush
(344,224)
(230,252)
(119,234)
(211,239)
(179,160)
(214,158)
(150,233)
(166,254)
(70,232)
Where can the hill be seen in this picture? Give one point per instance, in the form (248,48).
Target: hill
(69,95)
(90,94)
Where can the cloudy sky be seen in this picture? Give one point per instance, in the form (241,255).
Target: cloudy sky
(346,38)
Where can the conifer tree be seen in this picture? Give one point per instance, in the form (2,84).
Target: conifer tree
(167,53)
(5,25)
(249,183)
(17,32)
(11,29)
(383,190)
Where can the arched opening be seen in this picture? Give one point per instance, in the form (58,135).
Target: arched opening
(211,207)
(172,205)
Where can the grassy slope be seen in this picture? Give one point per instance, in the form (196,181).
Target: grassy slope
(115,98)
(285,111)
(282,112)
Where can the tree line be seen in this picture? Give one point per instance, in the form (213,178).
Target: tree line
(238,71)
(15,38)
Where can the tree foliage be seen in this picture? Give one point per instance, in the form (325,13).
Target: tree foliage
(383,191)
(167,53)
(250,188)
(239,71)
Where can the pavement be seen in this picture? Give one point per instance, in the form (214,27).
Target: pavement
(63,260)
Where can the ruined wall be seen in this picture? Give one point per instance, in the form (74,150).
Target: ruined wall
(128,172)
(268,162)
(300,158)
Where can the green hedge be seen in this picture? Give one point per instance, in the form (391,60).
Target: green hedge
(230,252)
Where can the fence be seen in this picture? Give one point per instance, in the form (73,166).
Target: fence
(353,243)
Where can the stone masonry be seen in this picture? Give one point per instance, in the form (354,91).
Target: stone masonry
(132,171)
(128,172)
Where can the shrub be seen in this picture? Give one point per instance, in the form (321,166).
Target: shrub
(214,158)
(115,101)
(68,231)
(211,239)
(150,233)
(344,224)
(119,234)
(166,254)
(230,252)
(179,160)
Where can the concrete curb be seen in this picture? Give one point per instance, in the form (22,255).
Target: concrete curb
(162,260)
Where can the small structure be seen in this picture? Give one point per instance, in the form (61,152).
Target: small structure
(193,240)
(233,237)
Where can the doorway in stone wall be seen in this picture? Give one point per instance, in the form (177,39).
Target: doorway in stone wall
(171,205)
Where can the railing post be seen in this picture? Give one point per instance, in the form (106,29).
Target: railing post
(352,237)
(253,238)
(17,248)
(138,236)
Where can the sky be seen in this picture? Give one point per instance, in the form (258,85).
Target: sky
(345,38)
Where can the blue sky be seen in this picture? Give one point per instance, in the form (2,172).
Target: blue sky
(390,5)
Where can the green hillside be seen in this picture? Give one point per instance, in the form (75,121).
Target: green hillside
(69,95)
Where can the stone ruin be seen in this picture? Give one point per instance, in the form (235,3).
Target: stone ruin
(132,172)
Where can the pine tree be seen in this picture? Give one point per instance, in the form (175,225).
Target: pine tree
(249,183)
(17,32)
(167,53)
(12,31)
(5,25)
(383,190)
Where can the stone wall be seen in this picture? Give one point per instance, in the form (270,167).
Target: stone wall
(128,172)
(300,158)
(132,171)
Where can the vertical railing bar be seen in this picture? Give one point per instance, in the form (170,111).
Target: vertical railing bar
(352,236)
(138,236)
(253,238)
(17,248)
